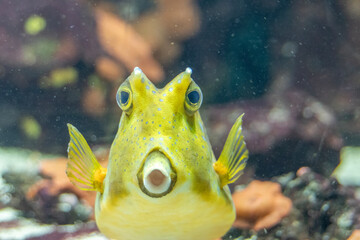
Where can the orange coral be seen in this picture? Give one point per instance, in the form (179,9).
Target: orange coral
(124,44)
(260,205)
(180,18)
(355,235)
(164,28)
(109,69)
(158,32)
(57,181)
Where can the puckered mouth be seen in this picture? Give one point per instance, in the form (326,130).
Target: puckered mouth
(156,176)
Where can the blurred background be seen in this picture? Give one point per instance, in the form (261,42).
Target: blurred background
(293,68)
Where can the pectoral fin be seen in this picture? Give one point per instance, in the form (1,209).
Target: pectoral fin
(83,170)
(232,160)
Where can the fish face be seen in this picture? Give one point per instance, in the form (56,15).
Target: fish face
(160,138)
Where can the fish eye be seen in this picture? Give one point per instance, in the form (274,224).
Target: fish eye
(193,98)
(124,99)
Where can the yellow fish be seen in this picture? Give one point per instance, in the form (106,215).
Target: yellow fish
(163,181)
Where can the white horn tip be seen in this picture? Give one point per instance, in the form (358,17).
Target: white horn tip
(137,71)
(188,70)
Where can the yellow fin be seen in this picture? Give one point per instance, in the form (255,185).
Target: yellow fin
(83,170)
(233,158)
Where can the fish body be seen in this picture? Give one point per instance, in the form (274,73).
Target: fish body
(162,180)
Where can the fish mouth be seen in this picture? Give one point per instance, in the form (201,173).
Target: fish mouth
(156,177)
